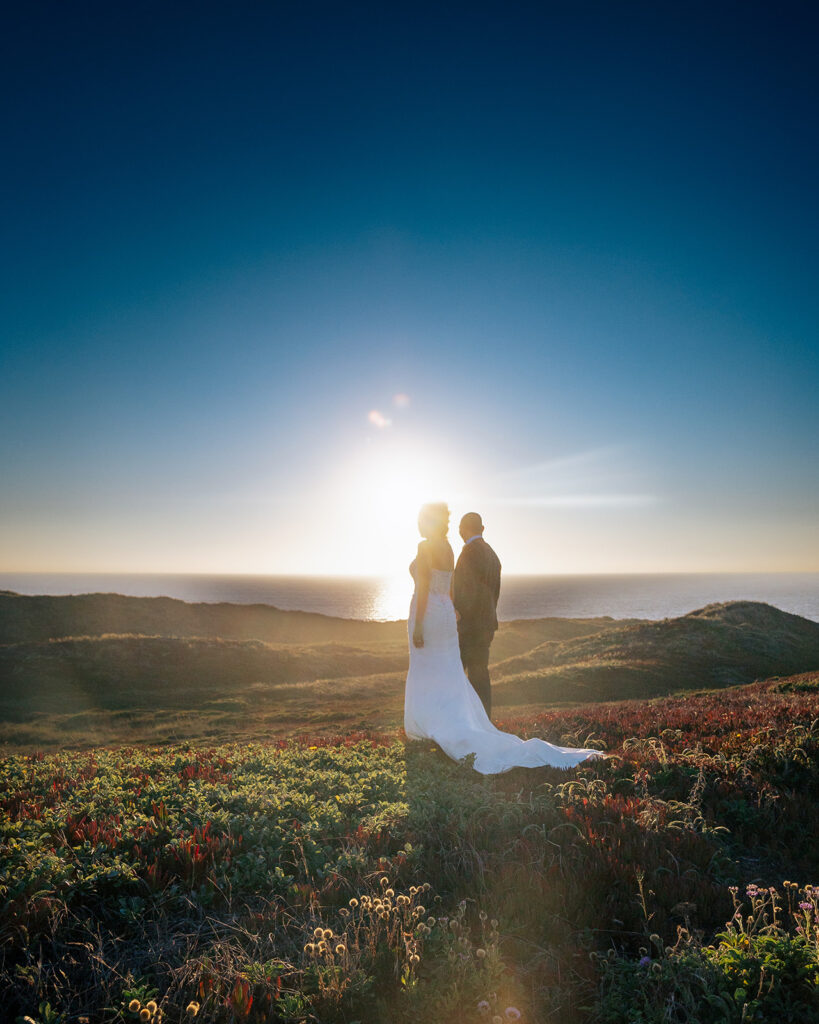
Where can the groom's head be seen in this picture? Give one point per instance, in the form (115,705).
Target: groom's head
(471,526)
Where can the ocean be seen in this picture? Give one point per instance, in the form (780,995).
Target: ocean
(636,596)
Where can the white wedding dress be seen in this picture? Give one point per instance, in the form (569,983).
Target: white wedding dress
(440,704)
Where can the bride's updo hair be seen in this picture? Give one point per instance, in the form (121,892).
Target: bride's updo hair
(433,520)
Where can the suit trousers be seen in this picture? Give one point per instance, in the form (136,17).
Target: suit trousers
(475,660)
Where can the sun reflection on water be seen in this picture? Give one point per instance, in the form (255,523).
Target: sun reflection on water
(391,599)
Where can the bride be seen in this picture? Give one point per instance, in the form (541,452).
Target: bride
(439,702)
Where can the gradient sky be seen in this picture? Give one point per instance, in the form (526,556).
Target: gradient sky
(272,274)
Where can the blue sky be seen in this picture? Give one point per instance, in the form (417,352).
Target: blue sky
(581,238)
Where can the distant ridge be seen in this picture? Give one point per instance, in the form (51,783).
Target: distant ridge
(26,618)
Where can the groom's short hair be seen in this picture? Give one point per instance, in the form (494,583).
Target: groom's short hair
(472,523)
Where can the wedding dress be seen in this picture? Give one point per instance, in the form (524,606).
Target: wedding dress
(440,704)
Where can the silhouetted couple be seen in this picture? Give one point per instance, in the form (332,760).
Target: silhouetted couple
(452,620)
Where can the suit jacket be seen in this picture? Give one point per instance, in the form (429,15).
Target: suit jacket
(476,589)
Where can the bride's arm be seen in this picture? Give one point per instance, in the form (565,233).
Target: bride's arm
(422,569)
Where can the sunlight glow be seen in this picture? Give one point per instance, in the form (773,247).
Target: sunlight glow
(377,502)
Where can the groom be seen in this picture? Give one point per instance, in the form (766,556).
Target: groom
(476,590)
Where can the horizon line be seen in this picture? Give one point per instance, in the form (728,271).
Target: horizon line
(383,576)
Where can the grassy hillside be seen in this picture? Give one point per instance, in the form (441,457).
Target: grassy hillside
(359,878)
(91,689)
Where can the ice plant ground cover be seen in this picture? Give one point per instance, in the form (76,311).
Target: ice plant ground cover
(366,879)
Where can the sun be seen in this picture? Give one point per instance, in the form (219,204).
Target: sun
(379,495)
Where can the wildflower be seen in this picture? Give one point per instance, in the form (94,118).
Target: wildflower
(804,905)
(133,1006)
(328,933)
(390,893)
(341,949)
(145,1014)
(385,882)
(483,1007)
(402,900)
(645,961)
(480,953)
(151,1006)
(192,1009)
(415,959)
(512,1013)
(309,947)
(353,902)
(430,922)
(319,933)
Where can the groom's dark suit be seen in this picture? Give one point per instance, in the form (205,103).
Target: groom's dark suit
(477,586)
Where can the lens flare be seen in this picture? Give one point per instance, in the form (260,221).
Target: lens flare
(378,419)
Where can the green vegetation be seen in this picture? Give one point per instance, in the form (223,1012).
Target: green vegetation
(211,868)
(364,879)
